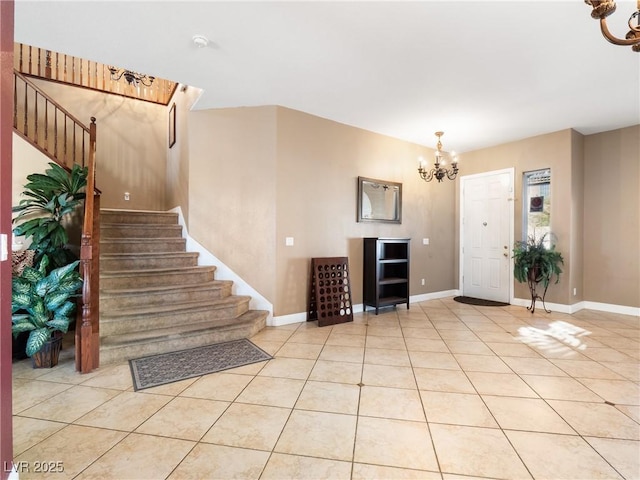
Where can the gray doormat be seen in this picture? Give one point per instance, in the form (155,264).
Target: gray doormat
(171,367)
(480,302)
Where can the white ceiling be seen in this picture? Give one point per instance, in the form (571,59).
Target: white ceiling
(485,72)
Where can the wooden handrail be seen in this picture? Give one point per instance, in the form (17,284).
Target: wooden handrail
(48,126)
(62,137)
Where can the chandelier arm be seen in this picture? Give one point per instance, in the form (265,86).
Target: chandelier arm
(612,39)
(451,174)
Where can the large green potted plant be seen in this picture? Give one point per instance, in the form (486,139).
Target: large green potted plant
(43,304)
(49,199)
(536,263)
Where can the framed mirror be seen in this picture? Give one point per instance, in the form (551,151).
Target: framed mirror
(379,201)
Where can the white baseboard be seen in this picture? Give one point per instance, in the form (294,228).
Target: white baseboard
(433,296)
(223,272)
(576,307)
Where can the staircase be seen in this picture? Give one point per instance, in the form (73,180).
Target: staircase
(153,296)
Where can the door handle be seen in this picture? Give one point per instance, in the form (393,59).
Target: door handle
(505,254)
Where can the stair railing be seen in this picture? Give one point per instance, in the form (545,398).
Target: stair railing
(60,136)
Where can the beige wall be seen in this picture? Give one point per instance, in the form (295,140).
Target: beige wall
(553,150)
(131,144)
(178,156)
(611,217)
(264,174)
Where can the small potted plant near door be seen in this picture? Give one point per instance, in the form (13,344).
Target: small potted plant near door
(43,304)
(536,263)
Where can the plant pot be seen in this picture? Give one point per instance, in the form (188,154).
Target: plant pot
(19,346)
(48,355)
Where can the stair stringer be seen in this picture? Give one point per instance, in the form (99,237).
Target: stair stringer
(223,272)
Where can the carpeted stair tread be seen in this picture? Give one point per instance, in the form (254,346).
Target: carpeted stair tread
(157,271)
(249,317)
(165,288)
(137,216)
(176,308)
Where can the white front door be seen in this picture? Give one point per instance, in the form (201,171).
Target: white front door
(486,235)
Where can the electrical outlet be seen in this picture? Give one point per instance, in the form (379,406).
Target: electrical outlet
(288,241)
(127,196)
(425,241)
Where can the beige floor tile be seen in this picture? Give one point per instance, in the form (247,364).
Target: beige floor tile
(461,333)
(497,337)
(329,397)
(630,371)
(272,335)
(530,414)
(384,331)
(271,347)
(74,446)
(23,369)
(66,373)
(506,384)
(481,363)
(126,411)
(248,426)
(512,349)
(623,455)
(217,386)
(281,466)
(117,377)
(623,392)
(472,348)
(27,393)
(184,418)
(382,356)
(219,462)
(71,404)
(315,336)
(340,372)
(141,457)
(276,392)
(362,471)
(393,343)
(299,350)
(586,369)
(454,381)
(394,443)
(560,388)
(425,333)
(533,366)
(384,402)
(483,452)
(631,411)
(346,340)
(252,368)
(597,419)
(318,434)
(336,353)
(29,431)
(606,354)
(443,361)
(417,344)
(457,409)
(350,328)
(388,376)
(546,454)
(297,368)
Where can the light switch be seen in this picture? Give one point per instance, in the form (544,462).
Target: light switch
(288,241)
(4,247)
(425,241)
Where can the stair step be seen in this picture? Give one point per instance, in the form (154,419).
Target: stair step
(137,216)
(156,277)
(135,261)
(118,348)
(115,300)
(131,230)
(146,245)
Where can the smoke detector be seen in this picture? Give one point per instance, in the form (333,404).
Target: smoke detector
(200,41)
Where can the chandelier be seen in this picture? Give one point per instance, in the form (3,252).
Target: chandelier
(132,78)
(602,9)
(439,171)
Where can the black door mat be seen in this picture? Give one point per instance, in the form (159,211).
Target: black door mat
(480,302)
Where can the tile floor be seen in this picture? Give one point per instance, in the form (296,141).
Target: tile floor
(441,391)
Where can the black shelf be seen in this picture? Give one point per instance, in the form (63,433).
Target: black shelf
(385,272)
